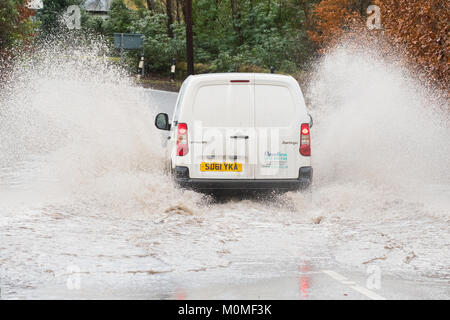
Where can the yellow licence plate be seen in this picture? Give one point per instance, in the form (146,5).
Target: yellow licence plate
(221,166)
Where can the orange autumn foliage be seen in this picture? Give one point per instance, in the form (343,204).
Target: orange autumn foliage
(332,19)
(421,28)
(418,28)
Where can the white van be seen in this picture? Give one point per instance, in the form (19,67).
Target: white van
(239,131)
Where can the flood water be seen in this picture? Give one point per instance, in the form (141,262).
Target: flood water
(87,212)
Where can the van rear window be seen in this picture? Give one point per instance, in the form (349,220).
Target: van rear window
(224,106)
(274,106)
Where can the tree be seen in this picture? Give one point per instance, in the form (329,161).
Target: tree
(159,48)
(16,31)
(120,18)
(50,15)
(150,6)
(189,36)
(15,23)
(332,18)
(178,5)
(169,12)
(236,20)
(421,27)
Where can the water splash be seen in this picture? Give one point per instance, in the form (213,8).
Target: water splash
(379,133)
(75,126)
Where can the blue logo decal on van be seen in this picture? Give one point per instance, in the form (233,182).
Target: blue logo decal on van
(275,160)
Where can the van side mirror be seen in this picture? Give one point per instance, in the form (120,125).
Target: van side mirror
(311,122)
(162,121)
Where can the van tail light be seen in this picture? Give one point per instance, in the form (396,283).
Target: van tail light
(305,140)
(182,139)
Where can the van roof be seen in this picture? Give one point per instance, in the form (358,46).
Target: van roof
(240,76)
(257,78)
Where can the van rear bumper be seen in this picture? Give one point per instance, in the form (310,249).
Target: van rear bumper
(303,181)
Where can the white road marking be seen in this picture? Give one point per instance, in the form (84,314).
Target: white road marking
(163,91)
(334,275)
(372,295)
(368,293)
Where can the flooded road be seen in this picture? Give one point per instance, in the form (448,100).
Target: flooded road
(86,212)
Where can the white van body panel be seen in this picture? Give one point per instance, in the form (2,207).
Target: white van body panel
(256,123)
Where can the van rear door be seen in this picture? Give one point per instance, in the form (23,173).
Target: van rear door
(277,114)
(222,135)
